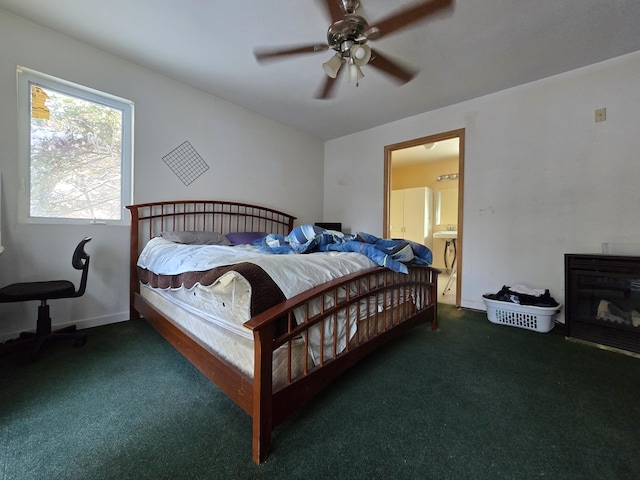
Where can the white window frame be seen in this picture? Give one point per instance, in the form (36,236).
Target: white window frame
(25,79)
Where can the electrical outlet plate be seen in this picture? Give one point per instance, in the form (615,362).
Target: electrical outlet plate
(601,114)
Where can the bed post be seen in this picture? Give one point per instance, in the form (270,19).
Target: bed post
(133,258)
(262,391)
(433,296)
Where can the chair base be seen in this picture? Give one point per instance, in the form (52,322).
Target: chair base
(43,334)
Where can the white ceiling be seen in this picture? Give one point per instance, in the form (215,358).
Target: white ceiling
(431,152)
(483,46)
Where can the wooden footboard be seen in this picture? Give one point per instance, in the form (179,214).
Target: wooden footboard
(380,304)
(339,322)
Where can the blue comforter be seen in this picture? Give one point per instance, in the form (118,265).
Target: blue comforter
(390,253)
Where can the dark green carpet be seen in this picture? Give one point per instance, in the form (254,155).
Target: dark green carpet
(471,400)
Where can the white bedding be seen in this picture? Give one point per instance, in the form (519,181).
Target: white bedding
(226,303)
(292,273)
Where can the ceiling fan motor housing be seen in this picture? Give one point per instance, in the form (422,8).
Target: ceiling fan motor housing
(345,33)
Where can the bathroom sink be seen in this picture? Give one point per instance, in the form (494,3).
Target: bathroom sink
(446,234)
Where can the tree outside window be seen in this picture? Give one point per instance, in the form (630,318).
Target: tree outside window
(79,153)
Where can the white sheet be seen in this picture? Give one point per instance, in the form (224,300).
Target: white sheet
(294,274)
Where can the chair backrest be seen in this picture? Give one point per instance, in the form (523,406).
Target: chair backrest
(80,261)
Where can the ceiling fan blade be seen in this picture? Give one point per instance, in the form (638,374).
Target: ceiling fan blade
(265,55)
(334,9)
(407,16)
(388,66)
(328,87)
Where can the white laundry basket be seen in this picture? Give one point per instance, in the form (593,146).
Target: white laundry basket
(538,319)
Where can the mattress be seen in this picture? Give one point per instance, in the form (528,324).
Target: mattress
(226,297)
(236,350)
(213,284)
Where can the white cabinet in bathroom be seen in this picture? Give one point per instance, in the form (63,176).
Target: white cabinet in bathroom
(410,215)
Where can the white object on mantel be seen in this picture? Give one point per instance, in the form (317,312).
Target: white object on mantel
(628,249)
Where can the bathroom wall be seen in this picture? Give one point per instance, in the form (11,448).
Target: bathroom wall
(424,175)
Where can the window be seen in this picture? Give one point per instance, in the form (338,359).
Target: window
(75,152)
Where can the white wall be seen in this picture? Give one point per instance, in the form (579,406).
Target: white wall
(251,159)
(541,177)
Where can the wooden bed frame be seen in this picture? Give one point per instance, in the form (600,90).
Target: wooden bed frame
(267,405)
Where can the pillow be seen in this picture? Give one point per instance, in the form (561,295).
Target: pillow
(196,238)
(243,238)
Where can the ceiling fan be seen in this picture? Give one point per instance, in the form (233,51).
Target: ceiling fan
(348,36)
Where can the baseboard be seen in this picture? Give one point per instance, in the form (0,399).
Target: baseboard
(80,324)
(474,305)
(99,321)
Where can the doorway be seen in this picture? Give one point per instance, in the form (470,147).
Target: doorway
(434,164)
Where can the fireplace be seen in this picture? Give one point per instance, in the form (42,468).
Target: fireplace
(602,300)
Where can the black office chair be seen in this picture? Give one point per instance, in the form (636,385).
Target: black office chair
(44,291)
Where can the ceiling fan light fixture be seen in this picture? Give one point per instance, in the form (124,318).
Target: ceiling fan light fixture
(332,65)
(355,73)
(361,54)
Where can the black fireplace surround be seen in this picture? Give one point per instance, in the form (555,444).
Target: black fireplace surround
(602,300)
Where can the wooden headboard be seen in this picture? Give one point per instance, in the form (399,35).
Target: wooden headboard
(148,220)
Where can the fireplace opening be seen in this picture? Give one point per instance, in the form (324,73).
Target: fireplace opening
(602,300)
